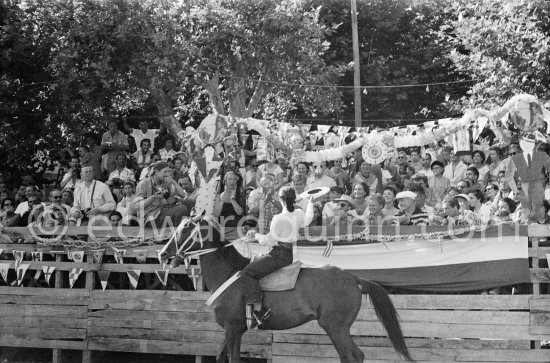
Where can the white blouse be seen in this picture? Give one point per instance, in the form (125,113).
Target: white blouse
(285,226)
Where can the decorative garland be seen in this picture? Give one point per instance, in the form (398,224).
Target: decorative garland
(365,235)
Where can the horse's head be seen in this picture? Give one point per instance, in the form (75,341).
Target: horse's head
(192,234)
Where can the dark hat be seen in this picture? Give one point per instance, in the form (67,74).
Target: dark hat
(437,162)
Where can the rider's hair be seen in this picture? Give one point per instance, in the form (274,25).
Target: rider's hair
(288,196)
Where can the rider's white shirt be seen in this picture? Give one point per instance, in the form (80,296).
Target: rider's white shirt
(284,226)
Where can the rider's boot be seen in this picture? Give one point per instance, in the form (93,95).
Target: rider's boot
(254,318)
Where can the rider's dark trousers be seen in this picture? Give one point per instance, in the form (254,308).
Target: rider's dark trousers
(262,266)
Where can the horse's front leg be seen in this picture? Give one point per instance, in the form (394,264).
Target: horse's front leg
(233,339)
(222,355)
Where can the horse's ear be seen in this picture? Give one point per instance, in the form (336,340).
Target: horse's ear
(198,216)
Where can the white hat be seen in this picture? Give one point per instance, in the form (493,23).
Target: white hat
(346,198)
(406,194)
(462,196)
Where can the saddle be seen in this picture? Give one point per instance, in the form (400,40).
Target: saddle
(283,279)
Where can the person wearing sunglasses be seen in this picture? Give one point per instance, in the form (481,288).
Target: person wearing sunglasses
(8,217)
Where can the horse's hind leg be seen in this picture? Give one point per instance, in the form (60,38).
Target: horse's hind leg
(222,355)
(344,344)
(233,339)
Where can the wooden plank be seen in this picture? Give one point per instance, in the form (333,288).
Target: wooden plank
(435,330)
(149,304)
(539,252)
(539,304)
(39,291)
(155,324)
(540,275)
(172,347)
(43,333)
(42,322)
(457,302)
(184,335)
(113,267)
(151,294)
(41,343)
(540,319)
(281,337)
(538,230)
(43,300)
(142,315)
(98,231)
(72,312)
(420,354)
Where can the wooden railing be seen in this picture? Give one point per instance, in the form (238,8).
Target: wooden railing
(169,320)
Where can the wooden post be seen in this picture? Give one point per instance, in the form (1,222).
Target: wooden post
(200,287)
(535,246)
(90,284)
(56,354)
(356,65)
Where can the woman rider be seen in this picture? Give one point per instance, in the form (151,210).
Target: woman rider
(283,233)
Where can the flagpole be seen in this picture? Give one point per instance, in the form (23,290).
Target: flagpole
(356,66)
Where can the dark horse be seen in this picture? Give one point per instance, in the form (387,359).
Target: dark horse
(328,294)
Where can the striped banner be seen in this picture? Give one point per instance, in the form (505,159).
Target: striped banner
(133,276)
(162,276)
(4,268)
(21,272)
(103,278)
(73,275)
(48,270)
(496,257)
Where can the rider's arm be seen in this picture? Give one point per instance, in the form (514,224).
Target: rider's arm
(309,213)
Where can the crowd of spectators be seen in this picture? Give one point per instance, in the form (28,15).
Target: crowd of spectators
(161,180)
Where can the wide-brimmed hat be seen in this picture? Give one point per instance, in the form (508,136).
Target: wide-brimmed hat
(315,193)
(436,162)
(346,198)
(462,196)
(406,194)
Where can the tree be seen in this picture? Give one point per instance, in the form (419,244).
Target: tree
(505,46)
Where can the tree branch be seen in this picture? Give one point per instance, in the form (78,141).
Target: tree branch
(215,96)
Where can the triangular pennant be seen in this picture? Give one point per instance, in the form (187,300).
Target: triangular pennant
(1,250)
(73,275)
(98,255)
(48,270)
(133,276)
(69,253)
(37,256)
(103,278)
(4,268)
(77,256)
(37,274)
(18,255)
(21,272)
(162,276)
(119,256)
(194,277)
(187,261)
(547,259)
(141,255)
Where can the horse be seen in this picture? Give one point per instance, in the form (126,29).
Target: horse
(328,294)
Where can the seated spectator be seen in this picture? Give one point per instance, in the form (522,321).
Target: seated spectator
(319,178)
(229,204)
(455,170)
(403,166)
(463,186)
(303,169)
(24,209)
(115,217)
(439,218)
(145,172)
(463,201)
(329,209)
(505,211)
(345,214)
(459,217)
(389,209)
(472,175)
(298,184)
(143,157)
(360,198)
(453,192)
(369,174)
(250,175)
(191,192)
(422,181)
(478,158)
(36,215)
(168,152)
(121,174)
(270,167)
(126,206)
(340,176)
(179,168)
(480,206)
(4,193)
(87,157)
(426,166)
(375,215)
(420,200)
(415,160)
(67,198)
(156,201)
(8,217)
(409,214)
(56,202)
(72,176)
(20,195)
(92,199)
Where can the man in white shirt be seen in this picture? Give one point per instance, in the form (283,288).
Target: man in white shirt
(319,179)
(168,152)
(455,170)
(23,207)
(92,199)
(144,132)
(120,175)
(426,166)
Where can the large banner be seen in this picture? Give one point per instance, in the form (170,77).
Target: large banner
(481,260)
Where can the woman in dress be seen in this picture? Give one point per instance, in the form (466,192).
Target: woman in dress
(497,163)
(389,209)
(8,217)
(283,234)
(478,158)
(126,206)
(339,174)
(229,204)
(480,206)
(370,175)
(360,193)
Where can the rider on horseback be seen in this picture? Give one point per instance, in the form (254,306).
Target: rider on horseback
(283,233)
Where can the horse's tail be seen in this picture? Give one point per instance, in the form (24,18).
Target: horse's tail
(387,315)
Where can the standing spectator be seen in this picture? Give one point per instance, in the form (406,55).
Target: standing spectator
(97,150)
(167,153)
(455,170)
(89,158)
(403,166)
(8,217)
(497,164)
(120,175)
(229,204)
(303,169)
(370,175)
(72,176)
(144,132)
(144,155)
(389,195)
(91,198)
(416,161)
(426,166)
(319,178)
(250,176)
(4,193)
(409,214)
(438,183)
(253,201)
(446,155)
(114,142)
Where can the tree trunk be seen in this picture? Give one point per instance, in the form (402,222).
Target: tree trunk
(166,113)
(212,86)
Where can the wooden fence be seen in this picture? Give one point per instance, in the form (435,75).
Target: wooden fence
(153,319)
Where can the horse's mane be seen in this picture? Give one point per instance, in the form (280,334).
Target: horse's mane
(228,253)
